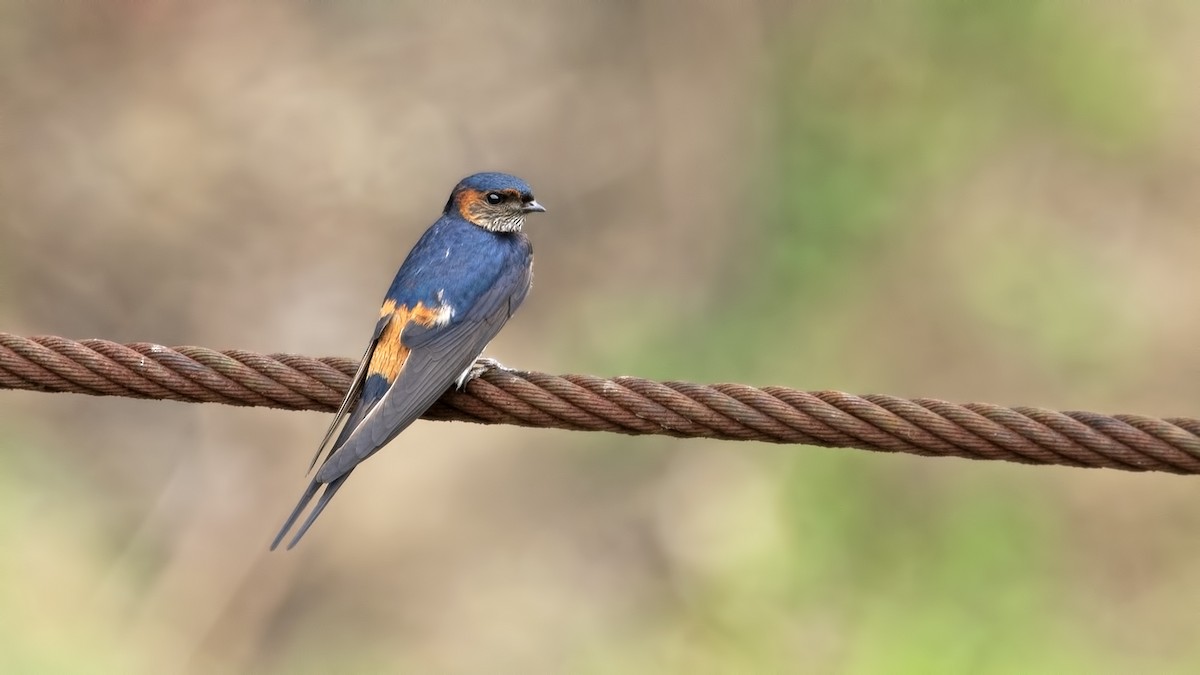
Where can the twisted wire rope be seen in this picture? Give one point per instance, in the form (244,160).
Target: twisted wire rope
(627,405)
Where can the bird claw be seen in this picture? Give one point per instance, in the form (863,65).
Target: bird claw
(481,366)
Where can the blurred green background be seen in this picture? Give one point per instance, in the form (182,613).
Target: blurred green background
(971,201)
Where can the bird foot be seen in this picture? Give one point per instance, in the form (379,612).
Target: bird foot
(481,366)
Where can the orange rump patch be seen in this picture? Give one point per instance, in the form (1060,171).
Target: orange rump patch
(390,353)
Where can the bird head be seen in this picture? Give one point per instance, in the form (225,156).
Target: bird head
(494,201)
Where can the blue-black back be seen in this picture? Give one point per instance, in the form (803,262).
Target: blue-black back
(461,261)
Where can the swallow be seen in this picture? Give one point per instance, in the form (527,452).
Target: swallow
(454,292)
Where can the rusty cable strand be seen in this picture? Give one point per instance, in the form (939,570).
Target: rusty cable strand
(627,405)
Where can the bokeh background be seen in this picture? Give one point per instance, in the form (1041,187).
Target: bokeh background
(971,201)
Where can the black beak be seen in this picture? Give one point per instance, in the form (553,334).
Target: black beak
(532,206)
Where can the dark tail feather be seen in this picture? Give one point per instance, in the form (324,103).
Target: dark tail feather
(330,490)
(304,500)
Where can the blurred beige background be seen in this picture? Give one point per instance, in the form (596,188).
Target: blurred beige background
(923,198)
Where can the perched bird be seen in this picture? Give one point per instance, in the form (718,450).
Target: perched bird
(456,289)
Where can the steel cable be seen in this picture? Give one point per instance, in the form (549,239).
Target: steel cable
(627,405)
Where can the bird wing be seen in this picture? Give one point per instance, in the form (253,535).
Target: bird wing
(437,356)
(356,406)
(353,393)
(418,359)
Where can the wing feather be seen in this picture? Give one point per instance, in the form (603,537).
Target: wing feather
(353,393)
(438,355)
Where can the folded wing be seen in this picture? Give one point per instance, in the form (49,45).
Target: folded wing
(417,361)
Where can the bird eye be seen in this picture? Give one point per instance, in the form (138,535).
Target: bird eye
(494,198)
